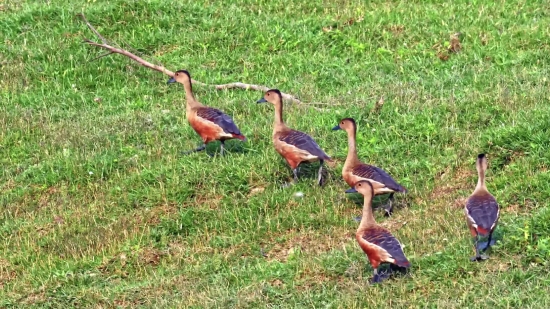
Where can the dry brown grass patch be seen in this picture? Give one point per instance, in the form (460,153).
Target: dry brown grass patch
(308,242)
(7,273)
(156,213)
(446,185)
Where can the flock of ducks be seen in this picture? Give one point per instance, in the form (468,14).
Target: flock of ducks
(377,242)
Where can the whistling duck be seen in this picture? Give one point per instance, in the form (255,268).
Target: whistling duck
(378,243)
(482,211)
(210,123)
(354,170)
(295,146)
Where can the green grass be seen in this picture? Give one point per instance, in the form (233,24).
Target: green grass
(98,208)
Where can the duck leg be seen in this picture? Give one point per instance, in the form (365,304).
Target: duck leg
(222,147)
(483,246)
(320,173)
(295,171)
(375,277)
(200,148)
(478,256)
(389,209)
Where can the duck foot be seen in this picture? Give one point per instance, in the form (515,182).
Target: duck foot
(200,148)
(484,245)
(388,211)
(380,276)
(288,184)
(480,257)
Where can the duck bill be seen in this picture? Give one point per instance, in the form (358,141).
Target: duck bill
(171,80)
(351,190)
(336,128)
(262,100)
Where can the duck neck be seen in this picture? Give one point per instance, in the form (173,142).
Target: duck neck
(367,219)
(352,147)
(278,121)
(191,101)
(480,180)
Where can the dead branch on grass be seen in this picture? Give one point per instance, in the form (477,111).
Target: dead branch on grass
(115,50)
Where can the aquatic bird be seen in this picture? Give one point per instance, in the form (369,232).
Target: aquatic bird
(482,211)
(378,243)
(210,123)
(354,170)
(295,146)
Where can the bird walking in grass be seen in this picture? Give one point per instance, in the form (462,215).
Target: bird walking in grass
(378,243)
(295,146)
(210,123)
(482,212)
(354,170)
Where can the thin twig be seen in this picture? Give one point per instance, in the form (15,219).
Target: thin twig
(92,28)
(128,54)
(285,96)
(115,50)
(101,56)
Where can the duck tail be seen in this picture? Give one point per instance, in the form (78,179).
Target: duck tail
(482,231)
(403,263)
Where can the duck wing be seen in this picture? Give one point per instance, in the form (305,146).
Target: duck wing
(377,174)
(304,142)
(482,209)
(219,118)
(386,241)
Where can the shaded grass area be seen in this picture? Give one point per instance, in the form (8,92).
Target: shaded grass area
(99,208)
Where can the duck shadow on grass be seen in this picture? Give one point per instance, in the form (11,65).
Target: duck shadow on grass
(380,202)
(307,172)
(387,271)
(213,149)
(482,244)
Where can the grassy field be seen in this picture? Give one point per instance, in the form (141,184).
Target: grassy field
(98,208)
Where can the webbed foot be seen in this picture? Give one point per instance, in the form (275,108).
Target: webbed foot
(480,257)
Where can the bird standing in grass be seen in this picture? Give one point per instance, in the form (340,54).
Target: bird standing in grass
(378,243)
(210,123)
(354,170)
(295,146)
(482,211)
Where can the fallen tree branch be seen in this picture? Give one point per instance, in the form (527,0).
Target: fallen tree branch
(115,50)
(285,96)
(101,56)
(128,54)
